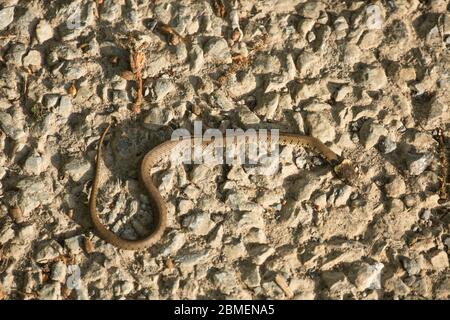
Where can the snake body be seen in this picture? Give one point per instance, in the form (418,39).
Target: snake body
(342,167)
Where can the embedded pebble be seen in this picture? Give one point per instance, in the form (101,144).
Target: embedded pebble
(44,31)
(47,251)
(419,165)
(217,50)
(369,276)
(33,58)
(58,272)
(374,78)
(199,224)
(11,127)
(371,132)
(6,17)
(439,261)
(50,291)
(312,9)
(320,126)
(35,164)
(77,168)
(374,17)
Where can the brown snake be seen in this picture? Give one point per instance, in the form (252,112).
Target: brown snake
(343,168)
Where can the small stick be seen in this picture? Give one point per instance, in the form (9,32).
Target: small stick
(218,8)
(173,37)
(137,62)
(443,194)
(284,286)
(236,33)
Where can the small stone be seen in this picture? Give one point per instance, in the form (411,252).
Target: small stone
(74,244)
(59,270)
(184,206)
(410,200)
(65,106)
(426,214)
(312,9)
(370,40)
(35,191)
(73,70)
(371,132)
(369,276)
(77,168)
(225,281)
(410,265)
(35,164)
(27,233)
(323,17)
(33,58)
(439,261)
(191,258)
(44,31)
(159,117)
(374,17)
(260,253)
(396,188)
(418,166)
(309,64)
(397,286)
(162,88)
(342,93)
(447,242)
(215,237)
(246,117)
(443,289)
(234,251)
(47,251)
(123,288)
(341,195)
(50,100)
(320,126)
(352,54)
(217,50)
(6,232)
(438,112)
(175,242)
(386,145)
(340,24)
(199,224)
(311,36)
(330,278)
(374,78)
(303,289)
(50,291)
(6,17)
(12,128)
(305,25)
(15,54)
(251,275)
(111,10)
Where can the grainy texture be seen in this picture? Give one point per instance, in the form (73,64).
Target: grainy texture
(370,79)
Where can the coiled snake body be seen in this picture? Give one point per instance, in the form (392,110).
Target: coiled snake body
(343,168)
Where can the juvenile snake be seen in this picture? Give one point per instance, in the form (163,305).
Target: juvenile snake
(343,168)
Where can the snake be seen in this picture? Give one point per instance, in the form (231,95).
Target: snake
(342,167)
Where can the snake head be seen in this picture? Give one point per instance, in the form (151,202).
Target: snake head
(347,171)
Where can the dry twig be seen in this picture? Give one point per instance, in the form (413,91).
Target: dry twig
(137,63)
(284,286)
(218,8)
(443,193)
